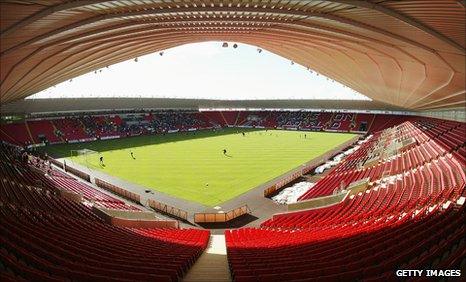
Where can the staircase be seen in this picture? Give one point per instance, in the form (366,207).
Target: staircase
(213,263)
(224,119)
(237,118)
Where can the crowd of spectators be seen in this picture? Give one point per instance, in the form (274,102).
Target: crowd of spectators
(175,120)
(296,119)
(93,126)
(27,156)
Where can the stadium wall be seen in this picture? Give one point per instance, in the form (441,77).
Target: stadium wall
(168,210)
(453,114)
(279,184)
(117,190)
(78,173)
(130,219)
(221,217)
(63,105)
(317,203)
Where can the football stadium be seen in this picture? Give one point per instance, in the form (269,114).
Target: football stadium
(268,177)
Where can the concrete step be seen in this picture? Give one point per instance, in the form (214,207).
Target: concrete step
(213,263)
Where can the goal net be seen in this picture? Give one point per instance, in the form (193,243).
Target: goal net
(85,157)
(83,152)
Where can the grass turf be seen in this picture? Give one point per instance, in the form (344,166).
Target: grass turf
(182,164)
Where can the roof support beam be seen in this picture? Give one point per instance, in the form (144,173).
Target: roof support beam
(160,12)
(438,100)
(357,3)
(47,12)
(405,19)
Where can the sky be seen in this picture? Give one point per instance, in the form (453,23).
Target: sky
(204,71)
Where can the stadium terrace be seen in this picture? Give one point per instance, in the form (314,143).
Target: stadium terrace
(169,189)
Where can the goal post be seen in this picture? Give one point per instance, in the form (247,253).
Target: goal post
(84,155)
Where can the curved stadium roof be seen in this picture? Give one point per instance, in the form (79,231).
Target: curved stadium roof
(409,54)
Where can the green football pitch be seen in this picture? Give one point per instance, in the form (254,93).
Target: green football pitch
(193,167)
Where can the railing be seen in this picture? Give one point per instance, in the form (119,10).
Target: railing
(167,209)
(221,217)
(118,190)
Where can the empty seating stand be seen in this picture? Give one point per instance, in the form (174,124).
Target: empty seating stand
(47,238)
(410,217)
(43,128)
(15,133)
(407,219)
(429,146)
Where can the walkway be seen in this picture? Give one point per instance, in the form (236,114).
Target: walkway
(262,208)
(213,263)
